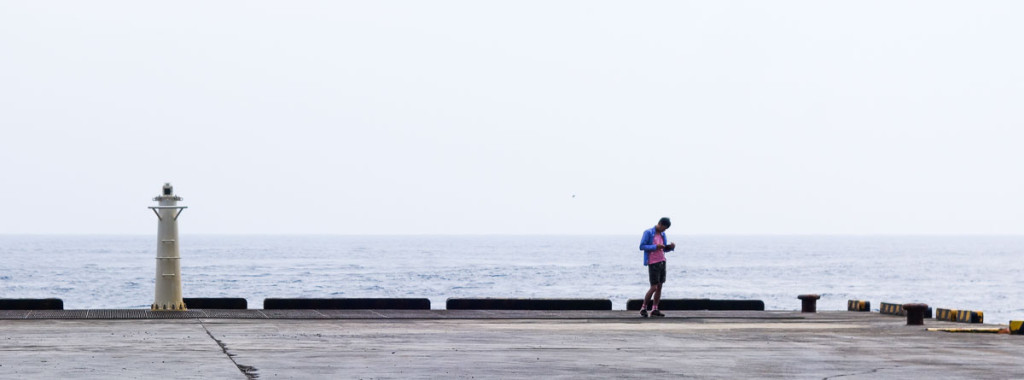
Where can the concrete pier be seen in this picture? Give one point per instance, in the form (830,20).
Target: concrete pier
(268,344)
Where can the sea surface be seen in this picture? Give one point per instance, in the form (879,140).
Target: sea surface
(959,272)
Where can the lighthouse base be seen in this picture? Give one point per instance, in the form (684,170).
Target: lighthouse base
(173,306)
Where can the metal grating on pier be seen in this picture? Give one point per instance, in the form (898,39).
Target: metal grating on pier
(13,314)
(234,314)
(294,314)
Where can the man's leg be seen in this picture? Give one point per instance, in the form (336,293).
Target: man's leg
(660,281)
(655,289)
(657,297)
(652,274)
(647,301)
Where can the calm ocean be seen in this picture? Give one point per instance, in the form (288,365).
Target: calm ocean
(961,272)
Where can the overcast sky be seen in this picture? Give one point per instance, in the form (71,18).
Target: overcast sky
(515,117)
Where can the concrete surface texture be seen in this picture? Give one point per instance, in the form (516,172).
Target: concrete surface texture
(494,344)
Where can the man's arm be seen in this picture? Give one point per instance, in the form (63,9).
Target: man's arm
(646,242)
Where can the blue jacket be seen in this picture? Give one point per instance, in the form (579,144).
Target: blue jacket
(647,243)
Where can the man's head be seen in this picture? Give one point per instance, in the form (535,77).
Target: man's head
(663,224)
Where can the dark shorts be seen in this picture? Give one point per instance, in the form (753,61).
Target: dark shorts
(656,272)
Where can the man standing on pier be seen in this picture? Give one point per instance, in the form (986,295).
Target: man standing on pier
(653,243)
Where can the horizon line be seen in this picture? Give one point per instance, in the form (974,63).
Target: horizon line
(808,234)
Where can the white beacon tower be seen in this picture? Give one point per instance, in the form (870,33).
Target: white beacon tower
(168,259)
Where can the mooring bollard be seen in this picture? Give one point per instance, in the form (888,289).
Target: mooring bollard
(809,303)
(915,313)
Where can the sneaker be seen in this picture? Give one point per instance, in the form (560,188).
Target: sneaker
(657,313)
(643,313)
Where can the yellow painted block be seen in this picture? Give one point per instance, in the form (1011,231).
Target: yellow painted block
(858,305)
(969,316)
(945,314)
(1016,327)
(891,308)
